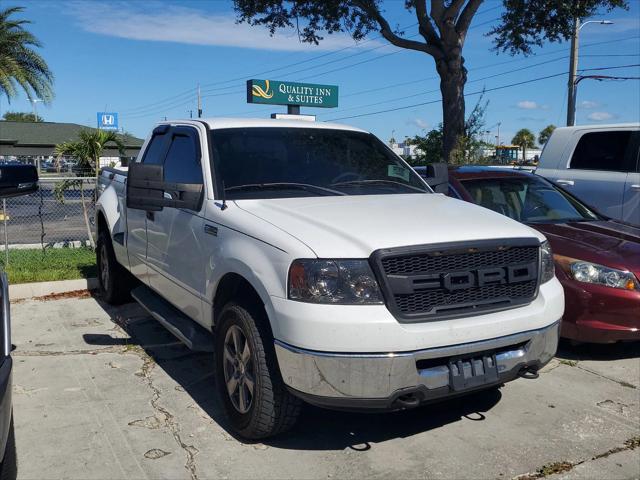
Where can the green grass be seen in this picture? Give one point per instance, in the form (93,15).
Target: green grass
(54,264)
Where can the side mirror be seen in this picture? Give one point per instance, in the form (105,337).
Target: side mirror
(437,177)
(147,190)
(16,180)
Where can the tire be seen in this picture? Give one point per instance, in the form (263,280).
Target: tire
(114,281)
(268,408)
(9,465)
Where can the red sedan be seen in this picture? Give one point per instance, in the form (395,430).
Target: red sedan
(597,259)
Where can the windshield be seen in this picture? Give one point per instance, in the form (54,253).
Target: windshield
(277,162)
(527,199)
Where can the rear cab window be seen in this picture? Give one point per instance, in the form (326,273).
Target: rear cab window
(604,151)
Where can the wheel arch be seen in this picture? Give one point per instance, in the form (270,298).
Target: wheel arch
(233,285)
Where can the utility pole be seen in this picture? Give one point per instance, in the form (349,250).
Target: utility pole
(190,113)
(573,68)
(199,103)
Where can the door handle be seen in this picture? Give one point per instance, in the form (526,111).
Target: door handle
(151,216)
(211,230)
(565,182)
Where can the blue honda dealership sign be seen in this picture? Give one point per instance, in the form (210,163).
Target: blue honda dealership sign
(107,120)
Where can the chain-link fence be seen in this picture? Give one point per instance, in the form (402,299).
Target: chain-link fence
(57,214)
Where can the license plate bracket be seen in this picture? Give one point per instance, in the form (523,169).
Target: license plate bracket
(472,372)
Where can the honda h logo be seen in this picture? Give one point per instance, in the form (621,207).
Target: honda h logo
(108,120)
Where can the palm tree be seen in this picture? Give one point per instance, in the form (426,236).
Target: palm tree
(543,136)
(20,65)
(526,139)
(87,150)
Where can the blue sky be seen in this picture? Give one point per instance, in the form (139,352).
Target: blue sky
(143,59)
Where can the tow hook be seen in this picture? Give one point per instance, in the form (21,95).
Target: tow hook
(406,401)
(530,373)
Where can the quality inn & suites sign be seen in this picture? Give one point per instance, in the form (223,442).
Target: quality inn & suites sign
(274,92)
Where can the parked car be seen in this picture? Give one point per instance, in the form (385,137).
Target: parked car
(599,164)
(597,259)
(296,245)
(15,180)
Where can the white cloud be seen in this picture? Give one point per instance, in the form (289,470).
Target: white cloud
(160,22)
(587,104)
(418,122)
(531,105)
(600,116)
(530,119)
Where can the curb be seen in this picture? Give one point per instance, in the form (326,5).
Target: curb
(23,291)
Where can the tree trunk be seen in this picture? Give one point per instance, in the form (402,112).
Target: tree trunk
(453,76)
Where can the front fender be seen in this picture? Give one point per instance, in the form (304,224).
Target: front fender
(112,209)
(267,273)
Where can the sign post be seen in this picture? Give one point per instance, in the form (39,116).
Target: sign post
(293,95)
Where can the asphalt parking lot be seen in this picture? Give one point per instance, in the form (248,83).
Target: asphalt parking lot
(105,393)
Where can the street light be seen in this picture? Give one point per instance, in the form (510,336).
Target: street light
(34,102)
(573,68)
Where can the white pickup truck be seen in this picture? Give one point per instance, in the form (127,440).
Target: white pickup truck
(318,266)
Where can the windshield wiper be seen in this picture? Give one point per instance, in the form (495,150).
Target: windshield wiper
(379,181)
(285,186)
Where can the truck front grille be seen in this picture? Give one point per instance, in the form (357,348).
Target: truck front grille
(453,280)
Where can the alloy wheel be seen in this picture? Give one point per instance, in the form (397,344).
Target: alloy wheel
(239,375)
(104,266)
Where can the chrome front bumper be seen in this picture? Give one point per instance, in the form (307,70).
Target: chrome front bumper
(398,380)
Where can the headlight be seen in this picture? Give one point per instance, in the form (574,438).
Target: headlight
(333,281)
(588,272)
(547,268)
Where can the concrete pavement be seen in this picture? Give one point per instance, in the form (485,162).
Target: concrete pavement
(105,393)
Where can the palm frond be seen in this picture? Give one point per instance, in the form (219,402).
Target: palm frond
(20,64)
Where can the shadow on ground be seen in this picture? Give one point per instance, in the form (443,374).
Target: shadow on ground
(317,429)
(599,352)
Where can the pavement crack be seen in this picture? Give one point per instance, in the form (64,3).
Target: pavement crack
(61,353)
(565,466)
(165,416)
(619,382)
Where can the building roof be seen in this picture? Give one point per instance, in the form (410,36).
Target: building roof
(47,134)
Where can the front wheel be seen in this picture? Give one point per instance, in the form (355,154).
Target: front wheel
(114,281)
(9,465)
(250,387)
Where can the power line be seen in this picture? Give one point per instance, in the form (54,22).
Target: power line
(491,65)
(182,102)
(609,68)
(507,72)
(183,95)
(244,77)
(483,67)
(596,77)
(440,100)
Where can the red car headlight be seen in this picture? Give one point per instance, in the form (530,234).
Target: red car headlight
(588,272)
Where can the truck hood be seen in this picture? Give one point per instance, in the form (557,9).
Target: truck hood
(355,226)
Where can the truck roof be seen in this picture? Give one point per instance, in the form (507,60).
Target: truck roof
(604,126)
(222,122)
